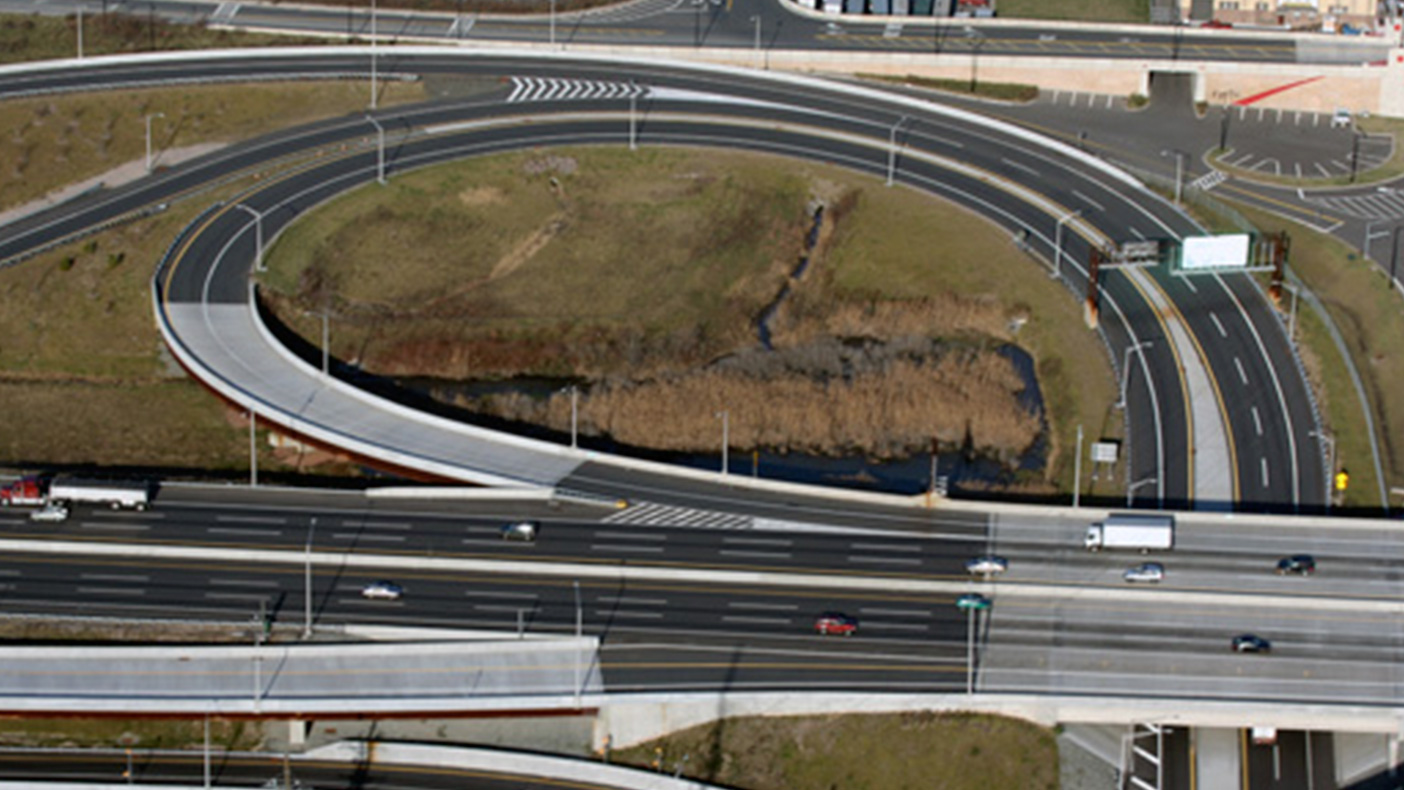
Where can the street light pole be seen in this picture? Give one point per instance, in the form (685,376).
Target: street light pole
(148,138)
(574,417)
(1126,368)
(579,638)
(375,88)
(1330,461)
(1179,171)
(892,150)
(756,18)
(1077,471)
(970,651)
(725,416)
(258,235)
(380,158)
(307,577)
(1131,489)
(326,340)
(80,32)
(1058,242)
(633,117)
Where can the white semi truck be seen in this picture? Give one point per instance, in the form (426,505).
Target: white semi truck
(1141,531)
(65,491)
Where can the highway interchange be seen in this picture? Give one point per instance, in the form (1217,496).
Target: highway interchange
(1340,645)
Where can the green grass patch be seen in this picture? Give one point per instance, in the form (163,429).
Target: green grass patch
(1370,319)
(860,752)
(1003,91)
(50,142)
(1135,11)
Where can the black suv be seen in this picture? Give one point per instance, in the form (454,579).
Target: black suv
(1299,564)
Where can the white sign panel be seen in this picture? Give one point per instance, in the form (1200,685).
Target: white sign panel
(1215,252)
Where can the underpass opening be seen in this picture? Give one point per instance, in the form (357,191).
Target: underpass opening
(1174,92)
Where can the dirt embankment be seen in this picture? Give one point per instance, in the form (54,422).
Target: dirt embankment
(850,372)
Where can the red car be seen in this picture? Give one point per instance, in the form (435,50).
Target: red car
(1215,24)
(836,623)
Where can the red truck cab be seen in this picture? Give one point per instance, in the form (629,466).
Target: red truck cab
(25,491)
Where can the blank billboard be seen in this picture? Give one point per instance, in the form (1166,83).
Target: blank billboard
(1215,252)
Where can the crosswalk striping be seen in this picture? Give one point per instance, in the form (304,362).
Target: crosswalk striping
(651,514)
(525,89)
(224,12)
(1382,205)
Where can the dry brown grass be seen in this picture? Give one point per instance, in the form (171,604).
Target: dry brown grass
(53,141)
(136,733)
(861,752)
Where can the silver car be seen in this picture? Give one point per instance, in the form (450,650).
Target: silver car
(382,591)
(51,513)
(1145,572)
(987,565)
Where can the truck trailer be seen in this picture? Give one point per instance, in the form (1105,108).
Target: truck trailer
(1142,531)
(133,495)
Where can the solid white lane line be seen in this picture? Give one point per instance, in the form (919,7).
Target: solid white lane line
(110,591)
(501,607)
(736,618)
(495,594)
(760,555)
(251,520)
(381,525)
(884,547)
(780,607)
(242,583)
(244,531)
(624,599)
(895,626)
(117,527)
(625,613)
(758,541)
(630,536)
(894,612)
(236,596)
(367,536)
(887,560)
(652,549)
(114,577)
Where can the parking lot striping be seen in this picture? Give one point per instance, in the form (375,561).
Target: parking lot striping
(760,555)
(630,536)
(272,533)
(887,560)
(652,549)
(786,607)
(1324,172)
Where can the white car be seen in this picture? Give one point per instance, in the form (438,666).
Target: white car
(52,513)
(987,565)
(1341,119)
(524,531)
(1145,572)
(383,591)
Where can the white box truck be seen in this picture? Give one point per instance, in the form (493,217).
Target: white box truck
(113,493)
(1142,531)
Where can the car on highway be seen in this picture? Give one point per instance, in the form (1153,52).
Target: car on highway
(836,623)
(987,565)
(1297,565)
(382,591)
(1145,572)
(523,531)
(50,513)
(1250,643)
(972,602)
